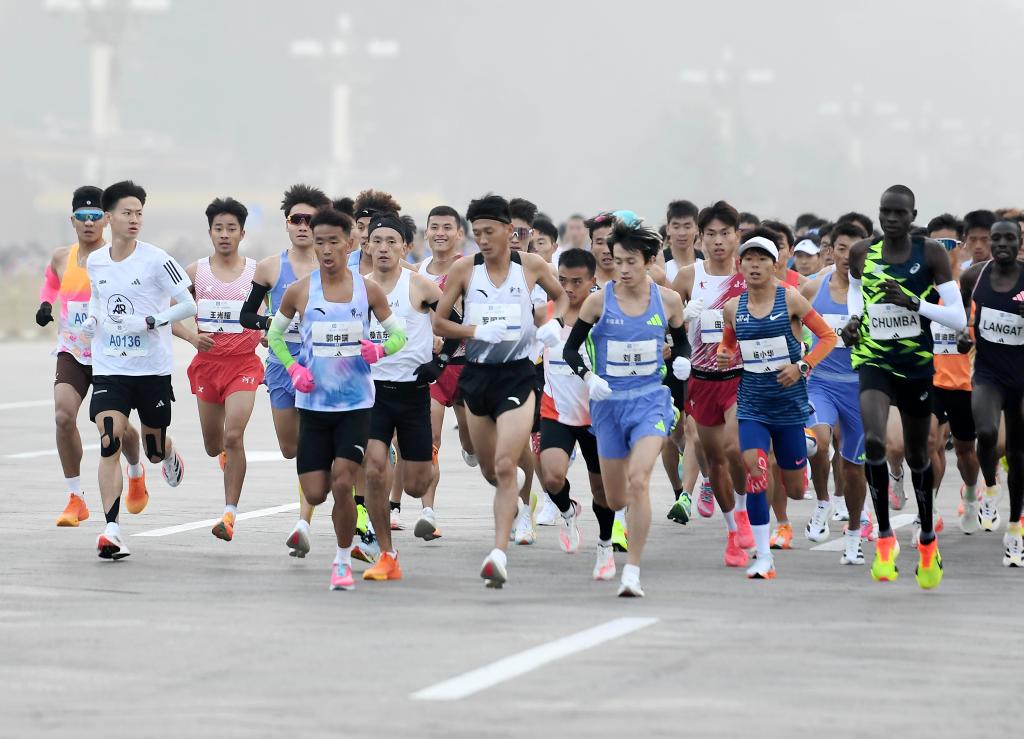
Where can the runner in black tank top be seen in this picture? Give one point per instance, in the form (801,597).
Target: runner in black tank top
(996,288)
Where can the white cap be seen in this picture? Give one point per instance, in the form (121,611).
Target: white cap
(760,242)
(807,247)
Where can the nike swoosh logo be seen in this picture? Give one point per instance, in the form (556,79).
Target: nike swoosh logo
(800,461)
(774,316)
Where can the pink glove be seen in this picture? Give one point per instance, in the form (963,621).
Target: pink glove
(302,378)
(371,352)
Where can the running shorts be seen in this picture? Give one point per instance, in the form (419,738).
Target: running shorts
(557,435)
(215,377)
(446,389)
(325,436)
(838,403)
(911,396)
(403,408)
(620,424)
(954,407)
(786,440)
(150,395)
(710,399)
(72,372)
(493,389)
(279,386)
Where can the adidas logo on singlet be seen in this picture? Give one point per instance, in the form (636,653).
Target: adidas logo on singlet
(655,320)
(1019,297)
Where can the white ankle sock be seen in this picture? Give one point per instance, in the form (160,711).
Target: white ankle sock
(232,509)
(344,556)
(135,471)
(741,501)
(730,520)
(74,485)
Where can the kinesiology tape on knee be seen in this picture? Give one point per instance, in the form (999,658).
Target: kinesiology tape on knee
(155,450)
(757,479)
(109,444)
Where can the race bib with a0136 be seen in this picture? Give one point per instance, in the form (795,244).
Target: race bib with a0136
(712,324)
(836,321)
(123,343)
(888,321)
(480,314)
(219,316)
(943,339)
(558,366)
(336,338)
(632,358)
(765,355)
(379,334)
(1000,327)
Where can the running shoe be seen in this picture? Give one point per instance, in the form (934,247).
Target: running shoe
(549,513)
(110,545)
(629,587)
(735,555)
(929,565)
(744,534)
(915,537)
(604,565)
(1014,554)
(366,549)
(841,513)
(977,496)
(341,577)
(854,552)
(884,568)
(222,460)
(897,493)
(225,528)
(493,572)
(867,528)
(362,519)
(988,512)
(173,469)
(426,528)
(762,569)
(782,537)
(706,500)
(298,541)
(138,496)
(74,512)
(816,529)
(471,459)
(938,524)
(396,519)
(569,530)
(970,519)
(681,509)
(524,532)
(386,568)
(620,537)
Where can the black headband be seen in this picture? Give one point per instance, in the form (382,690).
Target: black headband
(496,215)
(387,221)
(365,213)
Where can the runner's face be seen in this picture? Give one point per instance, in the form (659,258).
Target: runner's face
(126,218)
(577,283)
(576,233)
(518,242)
(757,267)
(444,232)
(362,226)
(806,264)
(89,232)
(681,232)
(491,236)
(630,267)
(332,245)
(599,247)
(978,247)
(386,247)
(841,253)
(1005,243)
(226,233)
(543,246)
(746,227)
(895,214)
(300,234)
(719,241)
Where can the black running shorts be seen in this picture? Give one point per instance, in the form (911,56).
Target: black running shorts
(325,436)
(554,434)
(150,395)
(403,408)
(493,389)
(912,397)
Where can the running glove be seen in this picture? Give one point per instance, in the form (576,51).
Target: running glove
(45,314)
(681,368)
(550,334)
(371,352)
(490,333)
(302,378)
(693,310)
(598,387)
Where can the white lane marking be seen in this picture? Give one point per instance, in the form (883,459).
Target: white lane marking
(838,545)
(519,664)
(211,521)
(26,404)
(47,452)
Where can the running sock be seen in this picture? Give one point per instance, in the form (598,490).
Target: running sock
(730,520)
(877,473)
(499,556)
(135,471)
(302,525)
(631,573)
(112,529)
(620,515)
(762,540)
(561,498)
(360,500)
(760,520)
(393,554)
(922,481)
(741,501)
(605,520)
(970,492)
(74,485)
(395,506)
(427,512)
(822,505)
(115,508)
(232,509)
(344,556)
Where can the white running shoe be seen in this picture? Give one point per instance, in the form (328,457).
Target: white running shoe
(493,572)
(523,529)
(762,569)
(970,522)
(854,553)
(1014,555)
(110,545)
(569,529)
(471,459)
(173,469)
(426,527)
(988,512)
(841,513)
(549,513)
(396,519)
(604,566)
(817,528)
(298,541)
(629,587)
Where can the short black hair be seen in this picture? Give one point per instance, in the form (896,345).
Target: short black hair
(1011,221)
(371,202)
(903,190)
(303,194)
(328,216)
(490,206)
(782,229)
(601,220)
(721,211)
(445,211)
(573,258)
(681,209)
(918,231)
(764,232)
(123,189)
(866,223)
(634,237)
(746,217)
(226,205)
(522,209)
(345,205)
(979,219)
(544,225)
(806,220)
(946,222)
(848,228)
(410,228)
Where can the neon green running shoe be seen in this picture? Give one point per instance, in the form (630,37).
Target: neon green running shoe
(929,565)
(884,569)
(620,537)
(680,510)
(362,520)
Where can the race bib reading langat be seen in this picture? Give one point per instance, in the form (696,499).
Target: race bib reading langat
(1001,327)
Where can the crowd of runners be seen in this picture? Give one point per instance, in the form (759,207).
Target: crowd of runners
(758,362)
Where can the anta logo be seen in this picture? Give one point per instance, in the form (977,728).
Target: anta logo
(516,291)
(355,312)
(915,268)
(703,284)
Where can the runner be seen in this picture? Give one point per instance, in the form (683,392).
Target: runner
(334,389)
(772,404)
(224,377)
(624,326)
(600,226)
(497,383)
(995,289)
(807,257)
(368,203)
(705,287)
(132,284)
(273,276)
(67,281)
(545,239)
(681,231)
(891,280)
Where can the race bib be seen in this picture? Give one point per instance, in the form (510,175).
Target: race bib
(480,314)
(765,355)
(123,343)
(336,338)
(712,325)
(632,358)
(1000,327)
(219,316)
(943,339)
(888,321)
(557,366)
(836,322)
(379,334)
(71,328)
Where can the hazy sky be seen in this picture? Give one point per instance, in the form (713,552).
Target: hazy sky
(576,105)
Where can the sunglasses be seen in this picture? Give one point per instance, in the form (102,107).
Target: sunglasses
(88,215)
(299,218)
(521,233)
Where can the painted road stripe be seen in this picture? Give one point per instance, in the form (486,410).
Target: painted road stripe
(26,404)
(47,452)
(211,521)
(838,545)
(519,664)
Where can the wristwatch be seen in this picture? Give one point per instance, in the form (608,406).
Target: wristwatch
(804,368)
(150,322)
(915,303)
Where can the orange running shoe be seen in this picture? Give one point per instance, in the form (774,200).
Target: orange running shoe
(735,555)
(386,568)
(222,460)
(782,538)
(75,511)
(225,528)
(138,496)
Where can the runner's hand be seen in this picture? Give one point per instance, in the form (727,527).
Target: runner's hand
(598,387)
(681,368)
(429,371)
(89,327)
(788,375)
(302,378)
(133,324)
(964,342)
(45,314)
(203,342)
(550,334)
(490,333)
(893,293)
(724,358)
(850,333)
(693,310)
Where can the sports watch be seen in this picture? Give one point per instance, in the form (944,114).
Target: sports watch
(804,368)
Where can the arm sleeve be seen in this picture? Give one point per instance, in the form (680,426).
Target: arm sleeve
(250,316)
(571,354)
(951,313)
(184,306)
(396,335)
(854,298)
(680,342)
(94,302)
(275,339)
(728,342)
(172,277)
(826,337)
(51,286)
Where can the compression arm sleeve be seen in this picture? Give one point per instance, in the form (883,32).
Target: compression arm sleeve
(826,337)
(250,316)
(51,286)
(680,342)
(396,336)
(275,340)
(854,298)
(951,312)
(184,306)
(571,354)
(728,342)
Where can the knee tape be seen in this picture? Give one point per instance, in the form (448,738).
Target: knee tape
(109,444)
(757,479)
(154,450)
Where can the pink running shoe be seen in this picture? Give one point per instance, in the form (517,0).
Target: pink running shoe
(735,555)
(744,534)
(706,500)
(867,529)
(341,577)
